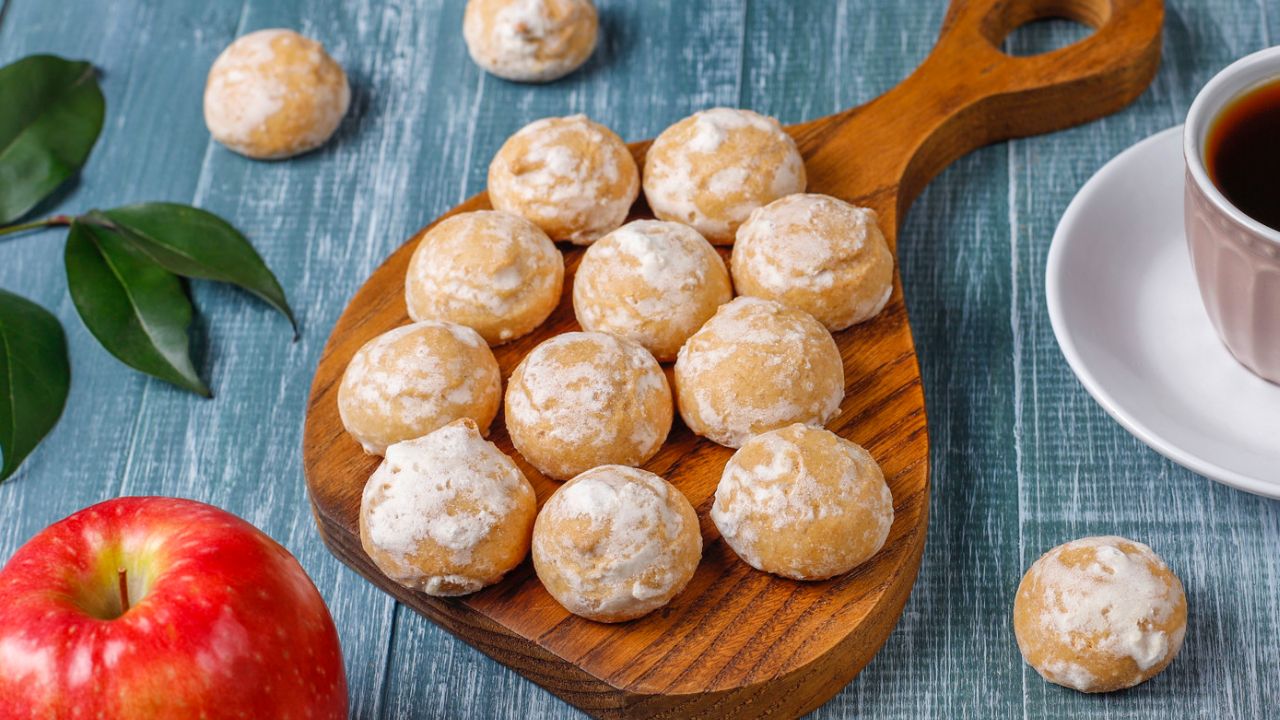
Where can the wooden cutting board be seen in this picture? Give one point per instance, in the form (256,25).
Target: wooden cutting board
(740,643)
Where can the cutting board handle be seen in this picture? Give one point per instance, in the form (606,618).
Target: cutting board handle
(969,93)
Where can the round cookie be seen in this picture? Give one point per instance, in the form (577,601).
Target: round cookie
(414,379)
(803,503)
(816,253)
(710,170)
(615,543)
(581,399)
(756,366)
(1099,614)
(491,271)
(572,177)
(447,513)
(274,94)
(652,282)
(530,40)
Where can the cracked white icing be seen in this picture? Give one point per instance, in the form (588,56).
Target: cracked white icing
(495,272)
(530,40)
(445,492)
(777,489)
(652,282)
(1112,601)
(818,253)
(713,168)
(270,73)
(757,365)
(581,397)
(414,379)
(639,549)
(258,95)
(572,177)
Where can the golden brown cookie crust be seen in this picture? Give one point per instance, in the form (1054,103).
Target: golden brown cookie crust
(414,379)
(803,503)
(580,400)
(711,169)
(1100,614)
(652,282)
(491,271)
(447,513)
(274,94)
(616,543)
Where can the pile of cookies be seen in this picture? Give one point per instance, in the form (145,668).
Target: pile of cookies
(448,513)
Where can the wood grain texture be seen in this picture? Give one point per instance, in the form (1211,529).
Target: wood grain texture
(1022,457)
(737,643)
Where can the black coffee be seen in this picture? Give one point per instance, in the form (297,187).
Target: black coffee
(1243,153)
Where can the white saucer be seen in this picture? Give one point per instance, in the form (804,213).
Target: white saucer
(1127,313)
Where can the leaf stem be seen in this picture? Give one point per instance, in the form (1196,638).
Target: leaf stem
(37,224)
(122,578)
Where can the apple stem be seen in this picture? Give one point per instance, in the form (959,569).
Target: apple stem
(123,576)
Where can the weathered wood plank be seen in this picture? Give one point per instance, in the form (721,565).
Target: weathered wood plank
(804,62)
(1023,458)
(322,221)
(94,444)
(657,63)
(1081,474)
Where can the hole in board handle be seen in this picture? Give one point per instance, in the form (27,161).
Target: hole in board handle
(1035,27)
(1041,36)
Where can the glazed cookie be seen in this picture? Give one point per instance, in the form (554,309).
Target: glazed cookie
(652,282)
(580,400)
(414,379)
(615,543)
(495,272)
(530,40)
(274,94)
(1099,614)
(816,253)
(757,366)
(447,513)
(572,177)
(713,168)
(803,503)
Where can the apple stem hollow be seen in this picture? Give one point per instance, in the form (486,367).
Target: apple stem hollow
(123,576)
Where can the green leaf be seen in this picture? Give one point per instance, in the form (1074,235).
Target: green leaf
(196,244)
(50,115)
(34,378)
(138,310)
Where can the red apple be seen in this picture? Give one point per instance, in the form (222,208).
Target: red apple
(220,621)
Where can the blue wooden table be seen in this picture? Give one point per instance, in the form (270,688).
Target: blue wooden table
(1022,458)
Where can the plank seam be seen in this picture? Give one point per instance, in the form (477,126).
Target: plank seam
(380,705)
(740,81)
(1015,323)
(201,184)
(1266,24)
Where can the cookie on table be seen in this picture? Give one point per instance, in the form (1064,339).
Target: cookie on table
(1100,614)
(447,513)
(711,169)
(273,94)
(616,543)
(491,271)
(570,176)
(583,399)
(803,503)
(756,366)
(816,253)
(652,282)
(530,40)
(414,379)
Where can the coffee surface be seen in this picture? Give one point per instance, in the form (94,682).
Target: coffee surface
(1243,153)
